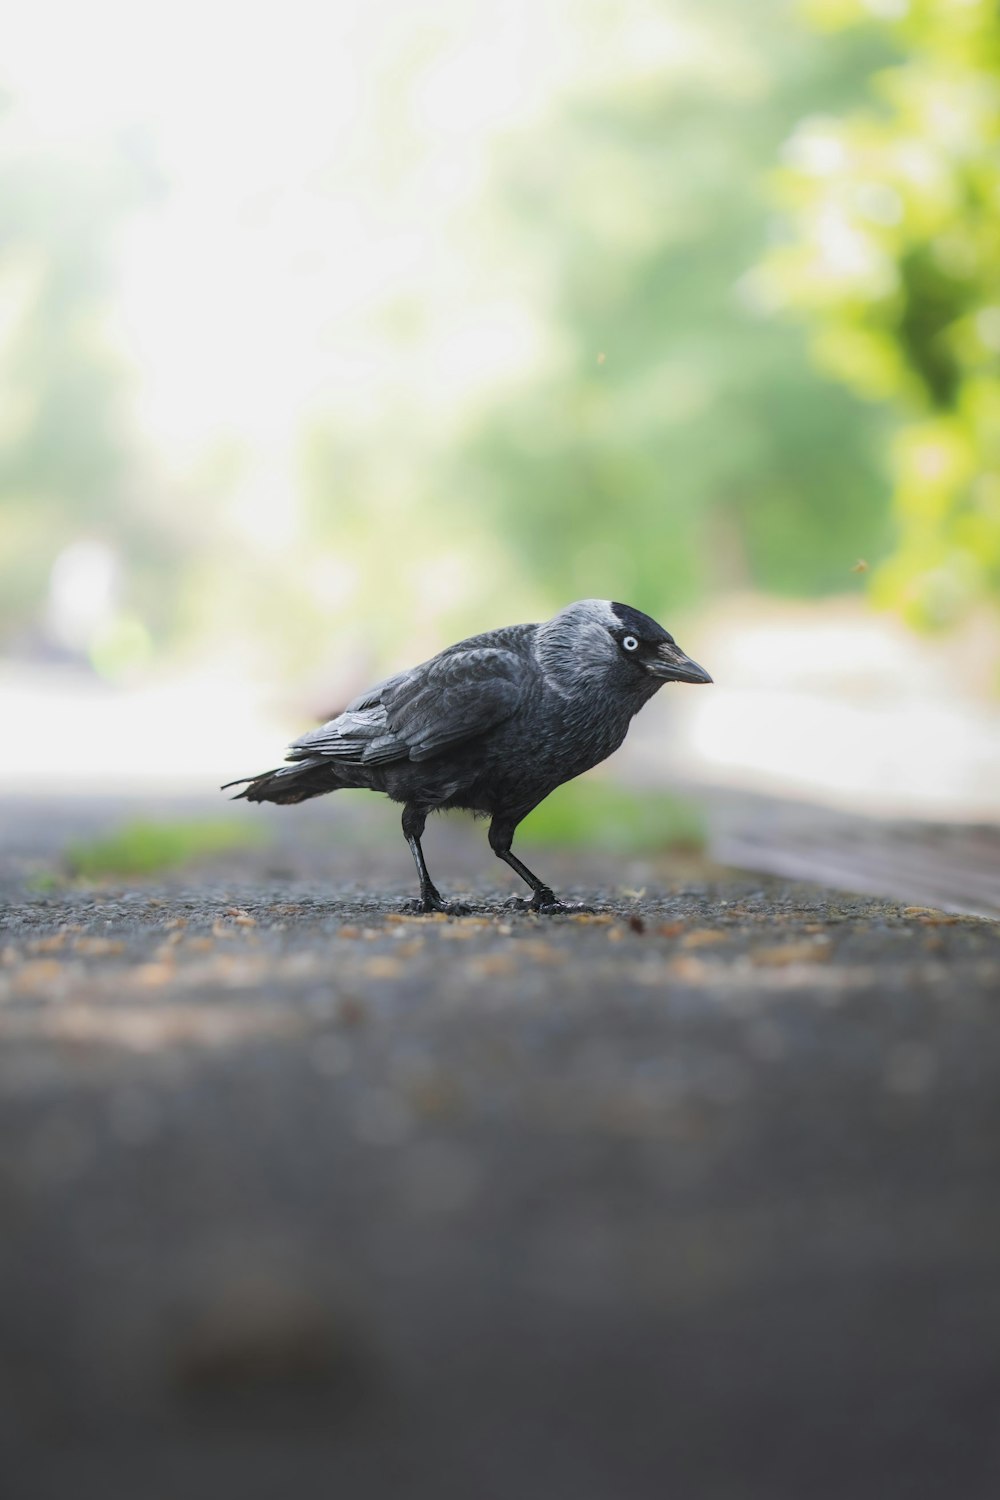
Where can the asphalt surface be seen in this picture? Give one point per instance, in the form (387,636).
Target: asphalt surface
(694,1194)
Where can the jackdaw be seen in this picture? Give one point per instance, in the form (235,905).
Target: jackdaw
(492,724)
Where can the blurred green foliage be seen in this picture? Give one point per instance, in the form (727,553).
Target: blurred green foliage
(598,814)
(684,446)
(144,847)
(895,258)
(675,441)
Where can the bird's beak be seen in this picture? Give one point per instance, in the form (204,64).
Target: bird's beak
(672,665)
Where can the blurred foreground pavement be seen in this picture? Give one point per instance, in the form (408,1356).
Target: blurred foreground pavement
(692,1196)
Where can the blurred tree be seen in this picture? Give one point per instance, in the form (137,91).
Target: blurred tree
(681,441)
(895,258)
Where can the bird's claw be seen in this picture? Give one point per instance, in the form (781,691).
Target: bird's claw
(555,908)
(547,904)
(544,903)
(426,906)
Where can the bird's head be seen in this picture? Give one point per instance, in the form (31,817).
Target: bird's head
(622,645)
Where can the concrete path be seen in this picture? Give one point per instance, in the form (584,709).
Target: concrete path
(694,1195)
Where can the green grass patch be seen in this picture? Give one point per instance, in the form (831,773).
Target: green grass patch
(600,815)
(143,848)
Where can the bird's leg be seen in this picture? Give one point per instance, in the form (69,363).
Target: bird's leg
(413,826)
(501,837)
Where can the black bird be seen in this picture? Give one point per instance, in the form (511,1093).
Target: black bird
(492,724)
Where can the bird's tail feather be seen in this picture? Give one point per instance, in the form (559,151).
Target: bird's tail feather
(293,783)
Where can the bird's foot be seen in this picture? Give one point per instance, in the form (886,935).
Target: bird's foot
(548,905)
(544,902)
(432,901)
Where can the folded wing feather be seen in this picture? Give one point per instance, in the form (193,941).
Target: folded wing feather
(418,714)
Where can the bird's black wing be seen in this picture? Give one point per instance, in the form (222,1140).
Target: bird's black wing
(455,697)
(372,697)
(417,714)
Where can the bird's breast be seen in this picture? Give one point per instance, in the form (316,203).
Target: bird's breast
(560,743)
(522,760)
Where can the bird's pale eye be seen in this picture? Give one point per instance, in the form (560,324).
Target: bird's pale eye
(630,643)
